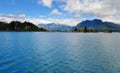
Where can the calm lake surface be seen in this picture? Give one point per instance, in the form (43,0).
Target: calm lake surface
(46,52)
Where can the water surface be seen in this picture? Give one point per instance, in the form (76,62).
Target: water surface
(43,52)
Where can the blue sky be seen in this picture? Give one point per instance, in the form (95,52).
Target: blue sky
(28,7)
(68,12)
(31,8)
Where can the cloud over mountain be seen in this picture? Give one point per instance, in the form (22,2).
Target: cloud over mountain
(108,10)
(60,11)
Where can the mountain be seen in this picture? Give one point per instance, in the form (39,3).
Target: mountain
(98,25)
(18,26)
(56,27)
(95,25)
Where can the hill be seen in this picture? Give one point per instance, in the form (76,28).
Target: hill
(97,25)
(18,26)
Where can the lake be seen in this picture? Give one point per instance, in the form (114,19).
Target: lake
(47,52)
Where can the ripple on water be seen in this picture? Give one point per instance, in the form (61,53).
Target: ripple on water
(60,53)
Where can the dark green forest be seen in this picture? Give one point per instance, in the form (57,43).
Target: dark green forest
(19,26)
(85,29)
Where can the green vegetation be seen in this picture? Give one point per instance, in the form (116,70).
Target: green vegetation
(18,26)
(110,31)
(85,29)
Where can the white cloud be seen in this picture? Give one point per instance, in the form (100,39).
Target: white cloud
(100,8)
(7,19)
(36,21)
(72,6)
(47,3)
(22,15)
(108,10)
(12,17)
(70,22)
(56,12)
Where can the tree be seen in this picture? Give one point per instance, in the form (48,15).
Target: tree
(110,31)
(75,29)
(85,29)
(18,26)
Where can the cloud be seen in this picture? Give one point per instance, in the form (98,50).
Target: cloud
(72,6)
(56,12)
(70,22)
(12,17)
(47,3)
(7,19)
(108,10)
(97,8)
(21,15)
(36,21)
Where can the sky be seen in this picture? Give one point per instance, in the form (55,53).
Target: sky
(68,12)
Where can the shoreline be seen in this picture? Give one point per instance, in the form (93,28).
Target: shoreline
(59,32)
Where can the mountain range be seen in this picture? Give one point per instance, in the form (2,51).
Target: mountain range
(95,24)
(56,27)
(99,25)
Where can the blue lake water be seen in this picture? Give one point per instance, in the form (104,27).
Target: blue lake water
(46,52)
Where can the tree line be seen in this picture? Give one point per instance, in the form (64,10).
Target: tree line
(85,29)
(19,26)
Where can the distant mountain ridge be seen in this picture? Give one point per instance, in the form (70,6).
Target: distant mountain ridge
(58,27)
(95,25)
(98,25)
